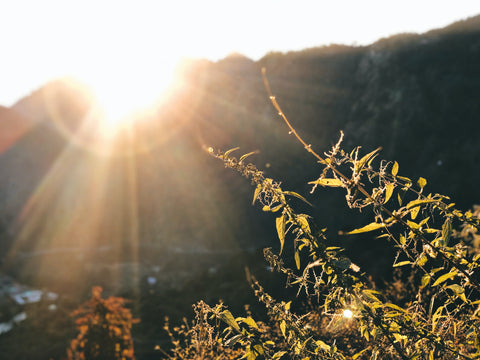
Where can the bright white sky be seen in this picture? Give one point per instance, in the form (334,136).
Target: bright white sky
(132,46)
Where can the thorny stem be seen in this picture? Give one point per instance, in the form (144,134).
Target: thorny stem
(359,187)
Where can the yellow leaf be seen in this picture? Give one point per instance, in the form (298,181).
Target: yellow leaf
(327,182)
(366,228)
(388,192)
(280,223)
(402,263)
(395,169)
(445,277)
(227,317)
(297,259)
(283,327)
(257,192)
(250,322)
(361,163)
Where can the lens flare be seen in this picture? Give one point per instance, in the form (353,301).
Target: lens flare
(347,314)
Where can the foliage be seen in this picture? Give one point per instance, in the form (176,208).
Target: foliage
(104,327)
(432,316)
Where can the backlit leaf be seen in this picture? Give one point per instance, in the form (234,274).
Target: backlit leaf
(402,263)
(302,220)
(418,202)
(280,223)
(227,317)
(243,157)
(457,289)
(283,327)
(414,212)
(250,322)
(278,355)
(292,193)
(395,169)
(357,355)
(425,280)
(230,151)
(446,231)
(361,163)
(327,182)
(370,227)
(258,189)
(445,277)
(388,192)
(421,182)
(297,259)
(395,307)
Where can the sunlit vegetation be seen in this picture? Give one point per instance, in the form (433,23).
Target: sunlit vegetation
(104,330)
(429,311)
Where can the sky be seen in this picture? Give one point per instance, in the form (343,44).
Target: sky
(127,50)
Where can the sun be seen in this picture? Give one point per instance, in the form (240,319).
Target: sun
(121,96)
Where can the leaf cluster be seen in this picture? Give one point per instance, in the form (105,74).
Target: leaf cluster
(104,327)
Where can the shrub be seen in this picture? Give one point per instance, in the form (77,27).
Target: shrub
(104,327)
(432,315)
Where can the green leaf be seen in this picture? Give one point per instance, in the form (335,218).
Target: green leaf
(370,227)
(446,231)
(343,263)
(388,192)
(395,169)
(459,291)
(280,223)
(292,193)
(227,317)
(327,182)
(445,277)
(361,163)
